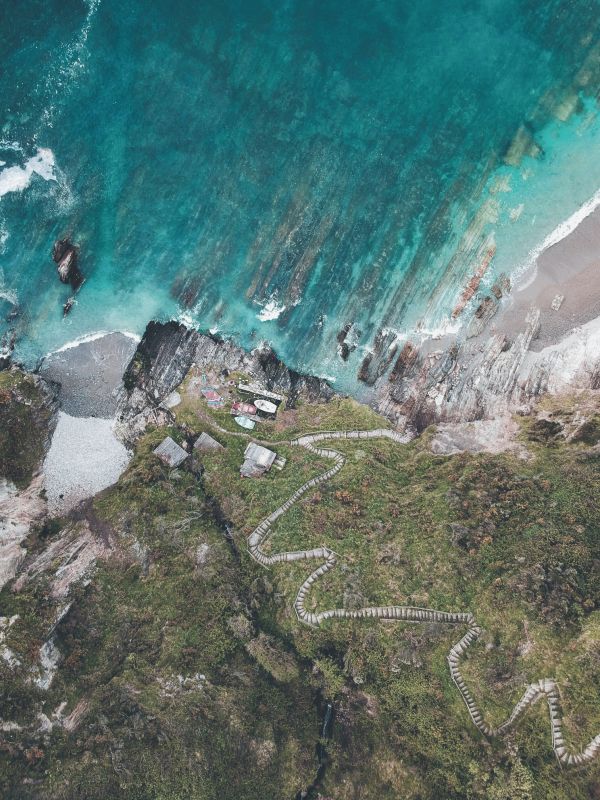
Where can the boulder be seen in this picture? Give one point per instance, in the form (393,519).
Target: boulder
(65,256)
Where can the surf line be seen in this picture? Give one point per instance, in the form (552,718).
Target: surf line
(543,689)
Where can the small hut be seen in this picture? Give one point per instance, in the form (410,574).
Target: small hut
(171,453)
(205,443)
(257,461)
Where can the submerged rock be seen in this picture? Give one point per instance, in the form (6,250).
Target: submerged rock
(68,306)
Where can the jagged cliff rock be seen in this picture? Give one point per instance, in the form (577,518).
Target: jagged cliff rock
(66,257)
(487,376)
(167,351)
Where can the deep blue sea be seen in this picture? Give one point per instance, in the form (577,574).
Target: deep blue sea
(278,169)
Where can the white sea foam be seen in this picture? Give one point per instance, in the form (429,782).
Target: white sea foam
(271,310)
(15,147)
(444,327)
(526,273)
(69,64)
(186,318)
(91,337)
(9,295)
(16,178)
(5,293)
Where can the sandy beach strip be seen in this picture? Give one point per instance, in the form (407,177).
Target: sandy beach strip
(569,269)
(85,456)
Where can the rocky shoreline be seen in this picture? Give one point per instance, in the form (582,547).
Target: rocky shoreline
(519,344)
(168,350)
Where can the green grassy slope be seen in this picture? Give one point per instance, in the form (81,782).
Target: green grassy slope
(514,541)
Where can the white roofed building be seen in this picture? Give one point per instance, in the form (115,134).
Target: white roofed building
(257,461)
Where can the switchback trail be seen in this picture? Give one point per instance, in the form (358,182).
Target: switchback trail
(542,689)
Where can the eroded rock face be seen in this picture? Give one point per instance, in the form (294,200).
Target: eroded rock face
(486,377)
(19,511)
(66,560)
(481,436)
(168,350)
(65,256)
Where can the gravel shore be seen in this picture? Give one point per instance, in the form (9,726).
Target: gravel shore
(85,457)
(90,374)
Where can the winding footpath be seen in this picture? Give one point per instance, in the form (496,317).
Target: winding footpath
(542,689)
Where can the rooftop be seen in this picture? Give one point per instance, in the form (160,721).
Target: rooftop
(170,452)
(257,461)
(206,442)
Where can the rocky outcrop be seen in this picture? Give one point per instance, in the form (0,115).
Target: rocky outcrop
(19,511)
(28,414)
(482,436)
(348,340)
(485,377)
(65,255)
(168,350)
(66,560)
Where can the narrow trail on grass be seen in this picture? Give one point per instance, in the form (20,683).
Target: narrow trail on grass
(544,688)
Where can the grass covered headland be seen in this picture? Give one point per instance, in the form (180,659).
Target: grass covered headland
(185,672)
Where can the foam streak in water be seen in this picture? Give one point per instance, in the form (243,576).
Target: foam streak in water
(15,179)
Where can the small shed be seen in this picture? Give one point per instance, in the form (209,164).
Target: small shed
(170,452)
(257,461)
(205,443)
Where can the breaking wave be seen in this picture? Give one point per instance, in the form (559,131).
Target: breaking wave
(526,273)
(17,178)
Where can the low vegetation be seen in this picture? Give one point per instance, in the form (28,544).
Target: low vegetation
(201,683)
(26,410)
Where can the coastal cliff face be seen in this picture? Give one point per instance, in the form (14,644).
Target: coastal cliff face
(483,373)
(28,413)
(168,350)
(484,377)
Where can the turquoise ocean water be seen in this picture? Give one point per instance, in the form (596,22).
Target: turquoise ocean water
(279,169)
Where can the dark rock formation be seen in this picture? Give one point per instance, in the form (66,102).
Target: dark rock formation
(7,345)
(405,362)
(168,350)
(68,306)
(483,314)
(375,364)
(65,256)
(60,249)
(347,340)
